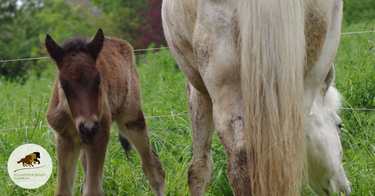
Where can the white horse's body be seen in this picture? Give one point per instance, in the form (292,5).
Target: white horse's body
(253,68)
(323,146)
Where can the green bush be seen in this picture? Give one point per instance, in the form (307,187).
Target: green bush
(18,36)
(358,10)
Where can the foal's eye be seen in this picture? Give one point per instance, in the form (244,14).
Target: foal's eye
(98,80)
(63,83)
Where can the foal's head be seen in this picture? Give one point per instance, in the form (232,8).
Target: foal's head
(80,80)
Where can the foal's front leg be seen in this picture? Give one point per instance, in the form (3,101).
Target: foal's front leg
(67,157)
(92,160)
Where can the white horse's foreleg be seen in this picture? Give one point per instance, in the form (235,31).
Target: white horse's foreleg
(201,165)
(136,131)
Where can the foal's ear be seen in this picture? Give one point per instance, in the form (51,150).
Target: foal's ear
(328,81)
(54,50)
(96,44)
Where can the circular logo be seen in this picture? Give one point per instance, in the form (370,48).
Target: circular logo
(30,166)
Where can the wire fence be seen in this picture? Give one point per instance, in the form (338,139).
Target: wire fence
(163,116)
(163,48)
(160,116)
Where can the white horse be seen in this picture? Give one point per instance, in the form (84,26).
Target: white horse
(323,146)
(253,68)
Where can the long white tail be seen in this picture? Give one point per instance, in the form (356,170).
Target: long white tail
(272,59)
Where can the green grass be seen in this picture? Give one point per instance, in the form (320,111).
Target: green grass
(355,79)
(163,93)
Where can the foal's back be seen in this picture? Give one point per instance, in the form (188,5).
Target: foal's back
(116,64)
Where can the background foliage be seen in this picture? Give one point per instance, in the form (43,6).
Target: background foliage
(18,36)
(23,26)
(358,11)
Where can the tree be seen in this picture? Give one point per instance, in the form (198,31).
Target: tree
(138,22)
(18,35)
(23,30)
(151,29)
(120,18)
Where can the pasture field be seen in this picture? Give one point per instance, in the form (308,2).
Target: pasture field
(23,108)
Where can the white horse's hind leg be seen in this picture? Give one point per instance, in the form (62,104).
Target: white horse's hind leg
(201,165)
(229,123)
(215,47)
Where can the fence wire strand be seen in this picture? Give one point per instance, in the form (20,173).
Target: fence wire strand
(25,59)
(358,32)
(359,109)
(47,57)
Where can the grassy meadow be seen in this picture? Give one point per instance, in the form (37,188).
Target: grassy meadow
(23,108)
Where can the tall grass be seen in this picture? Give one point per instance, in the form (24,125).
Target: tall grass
(355,79)
(163,93)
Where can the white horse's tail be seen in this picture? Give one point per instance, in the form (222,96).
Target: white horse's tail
(272,59)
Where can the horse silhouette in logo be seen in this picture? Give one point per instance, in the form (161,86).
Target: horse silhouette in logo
(30,159)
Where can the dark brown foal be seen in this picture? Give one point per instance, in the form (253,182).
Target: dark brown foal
(97,84)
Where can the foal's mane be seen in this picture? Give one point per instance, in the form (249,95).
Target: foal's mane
(75,45)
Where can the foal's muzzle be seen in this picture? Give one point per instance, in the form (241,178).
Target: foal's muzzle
(87,132)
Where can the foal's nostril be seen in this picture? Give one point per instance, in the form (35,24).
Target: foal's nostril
(88,133)
(81,128)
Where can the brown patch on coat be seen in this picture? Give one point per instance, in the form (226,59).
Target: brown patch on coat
(138,124)
(316,31)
